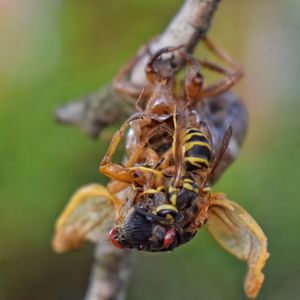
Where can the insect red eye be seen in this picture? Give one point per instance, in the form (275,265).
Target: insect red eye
(113,234)
(169,238)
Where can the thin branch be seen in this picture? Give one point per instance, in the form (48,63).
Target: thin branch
(110,274)
(93,112)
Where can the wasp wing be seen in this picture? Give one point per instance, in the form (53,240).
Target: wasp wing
(219,155)
(88,216)
(239,234)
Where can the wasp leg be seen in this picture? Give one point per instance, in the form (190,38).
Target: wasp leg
(117,171)
(88,216)
(151,158)
(140,153)
(128,173)
(166,159)
(148,155)
(117,137)
(122,173)
(240,235)
(153,163)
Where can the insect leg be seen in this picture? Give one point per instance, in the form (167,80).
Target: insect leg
(128,173)
(222,54)
(123,85)
(232,75)
(140,153)
(223,85)
(195,89)
(166,159)
(117,171)
(151,161)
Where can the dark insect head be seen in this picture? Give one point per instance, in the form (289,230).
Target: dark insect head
(144,230)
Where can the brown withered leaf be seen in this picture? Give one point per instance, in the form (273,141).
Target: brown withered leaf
(88,216)
(239,234)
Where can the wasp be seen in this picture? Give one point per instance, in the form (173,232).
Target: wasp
(178,144)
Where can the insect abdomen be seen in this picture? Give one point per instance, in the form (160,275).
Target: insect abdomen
(197,150)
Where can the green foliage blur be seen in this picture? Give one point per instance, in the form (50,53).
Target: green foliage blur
(53,51)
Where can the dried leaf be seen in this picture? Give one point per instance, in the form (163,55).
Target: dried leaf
(88,216)
(239,234)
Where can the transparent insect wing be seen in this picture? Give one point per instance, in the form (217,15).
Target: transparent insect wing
(240,235)
(89,215)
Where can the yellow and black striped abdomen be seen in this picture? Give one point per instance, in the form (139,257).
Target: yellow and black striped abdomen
(197,150)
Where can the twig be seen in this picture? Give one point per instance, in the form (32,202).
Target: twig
(96,111)
(93,112)
(110,275)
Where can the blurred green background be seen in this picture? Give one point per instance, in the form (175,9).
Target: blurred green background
(53,51)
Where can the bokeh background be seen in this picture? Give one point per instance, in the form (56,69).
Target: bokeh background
(53,51)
